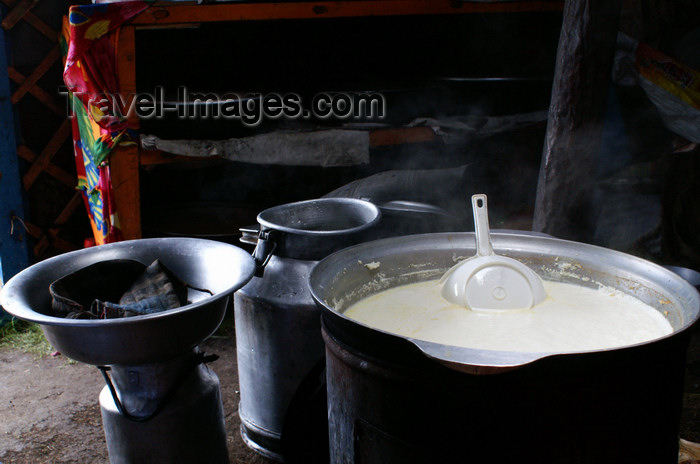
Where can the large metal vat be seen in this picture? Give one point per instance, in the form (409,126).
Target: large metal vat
(394,399)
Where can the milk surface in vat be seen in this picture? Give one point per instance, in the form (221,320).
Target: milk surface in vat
(572,318)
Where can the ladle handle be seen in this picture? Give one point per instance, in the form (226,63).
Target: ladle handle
(481,225)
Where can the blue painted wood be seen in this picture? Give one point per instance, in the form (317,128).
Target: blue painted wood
(14,253)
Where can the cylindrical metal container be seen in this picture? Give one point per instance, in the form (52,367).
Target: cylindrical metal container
(176,402)
(278,334)
(394,399)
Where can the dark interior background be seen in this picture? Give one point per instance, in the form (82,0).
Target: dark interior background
(424,66)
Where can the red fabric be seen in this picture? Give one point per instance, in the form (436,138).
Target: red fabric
(89,44)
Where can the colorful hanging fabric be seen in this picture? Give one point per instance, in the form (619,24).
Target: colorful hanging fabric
(89,43)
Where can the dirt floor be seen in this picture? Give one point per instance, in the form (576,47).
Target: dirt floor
(49,410)
(50,413)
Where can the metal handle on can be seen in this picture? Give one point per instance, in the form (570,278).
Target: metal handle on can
(249,235)
(264,249)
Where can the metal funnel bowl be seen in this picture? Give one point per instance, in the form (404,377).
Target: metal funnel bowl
(218,267)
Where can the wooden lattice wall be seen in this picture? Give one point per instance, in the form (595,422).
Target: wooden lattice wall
(56,218)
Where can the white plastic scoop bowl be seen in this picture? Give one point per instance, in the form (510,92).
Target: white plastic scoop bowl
(487,281)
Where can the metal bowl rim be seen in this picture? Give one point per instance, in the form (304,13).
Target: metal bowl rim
(28,314)
(512,359)
(367,205)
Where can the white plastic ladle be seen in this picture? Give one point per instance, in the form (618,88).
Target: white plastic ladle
(487,281)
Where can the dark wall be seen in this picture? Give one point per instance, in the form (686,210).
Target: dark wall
(424,66)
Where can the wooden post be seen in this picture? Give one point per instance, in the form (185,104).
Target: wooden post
(124,159)
(581,82)
(162,13)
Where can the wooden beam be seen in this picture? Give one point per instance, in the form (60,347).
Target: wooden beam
(34,21)
(124,159)
(51,238)
(400,135)
(124,171)
(63,133)
(581,82)
(43,241)
(17,13)
(166,13)
(66,178)
(48,61)
(75,201)
(38,93)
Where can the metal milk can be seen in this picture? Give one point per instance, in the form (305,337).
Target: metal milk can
(278,333)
